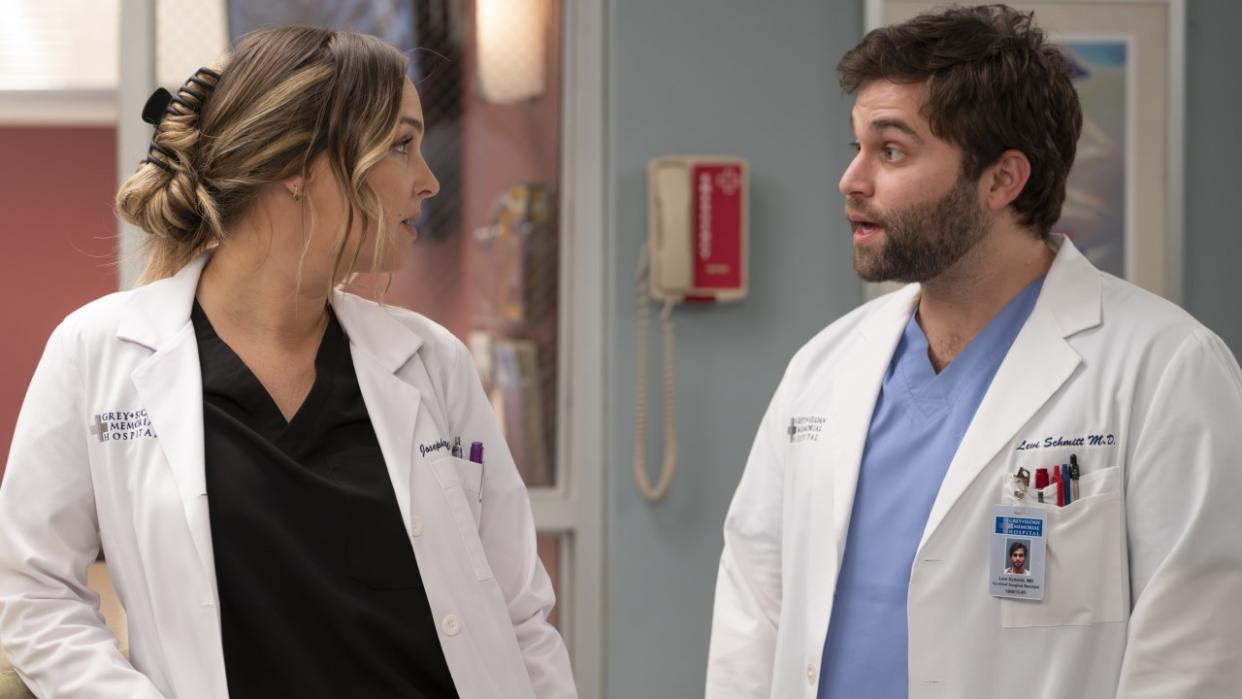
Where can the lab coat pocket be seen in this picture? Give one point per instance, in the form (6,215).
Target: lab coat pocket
(1083,581)
(470,475)
(460,481)
(1099,482)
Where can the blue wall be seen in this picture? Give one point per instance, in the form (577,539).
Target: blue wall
(757,80)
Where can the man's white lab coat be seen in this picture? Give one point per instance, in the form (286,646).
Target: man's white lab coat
(1143,579)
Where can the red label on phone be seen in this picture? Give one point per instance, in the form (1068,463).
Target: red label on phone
(717,221)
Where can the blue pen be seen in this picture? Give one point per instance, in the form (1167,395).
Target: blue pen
(1065,478)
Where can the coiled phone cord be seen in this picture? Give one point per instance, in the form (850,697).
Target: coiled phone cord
(657,492)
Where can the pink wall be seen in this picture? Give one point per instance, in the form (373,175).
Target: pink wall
(502,145)
(56,189)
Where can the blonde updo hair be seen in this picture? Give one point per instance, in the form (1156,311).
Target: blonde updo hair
(284,97)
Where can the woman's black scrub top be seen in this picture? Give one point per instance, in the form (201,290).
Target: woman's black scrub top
(320,593)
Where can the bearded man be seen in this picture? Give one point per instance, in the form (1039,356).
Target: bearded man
(857,558)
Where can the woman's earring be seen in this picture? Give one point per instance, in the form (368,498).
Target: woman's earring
(297,193)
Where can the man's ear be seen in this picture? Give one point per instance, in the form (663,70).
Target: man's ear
(1003,181)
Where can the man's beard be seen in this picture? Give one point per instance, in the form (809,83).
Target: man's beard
(923,240)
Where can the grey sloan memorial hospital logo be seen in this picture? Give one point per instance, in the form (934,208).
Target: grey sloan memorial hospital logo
(122,426)
(806,428)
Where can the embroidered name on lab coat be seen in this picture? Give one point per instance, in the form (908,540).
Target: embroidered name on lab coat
(1090,440)
(426,449)
(122,426)
(806,428)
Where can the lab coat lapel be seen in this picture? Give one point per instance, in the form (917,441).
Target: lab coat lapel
(851,402)
(1037,365)
(169,385)
(850,398)
(381,346)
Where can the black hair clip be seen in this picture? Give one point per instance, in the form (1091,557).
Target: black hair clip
(164,151)
(153,111)
(156,161)
(192,92)
(160,103)
(185,105)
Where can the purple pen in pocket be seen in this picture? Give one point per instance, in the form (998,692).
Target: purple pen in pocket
(476,456)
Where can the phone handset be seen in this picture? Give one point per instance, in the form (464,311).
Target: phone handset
(695,252)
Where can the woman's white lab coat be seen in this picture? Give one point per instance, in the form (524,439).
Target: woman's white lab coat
(1144,572)
(108,449)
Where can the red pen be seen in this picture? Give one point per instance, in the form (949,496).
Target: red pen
(1060,484)
(1041,478)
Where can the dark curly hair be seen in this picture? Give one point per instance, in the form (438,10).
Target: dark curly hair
(993,84)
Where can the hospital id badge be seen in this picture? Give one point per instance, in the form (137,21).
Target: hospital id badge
(1016,560)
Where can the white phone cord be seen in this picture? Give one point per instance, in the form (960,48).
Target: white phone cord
(656,493)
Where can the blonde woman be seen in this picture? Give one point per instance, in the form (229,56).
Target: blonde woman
(281,474)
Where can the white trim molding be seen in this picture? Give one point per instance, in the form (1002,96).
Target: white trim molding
(58,108)
(133,135)
(584,317)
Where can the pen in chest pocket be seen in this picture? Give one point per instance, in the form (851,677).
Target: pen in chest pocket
(1074,473)
(476,456)
(1066,484)
(1064,477)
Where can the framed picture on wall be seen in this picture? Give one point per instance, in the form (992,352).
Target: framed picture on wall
(1123,205)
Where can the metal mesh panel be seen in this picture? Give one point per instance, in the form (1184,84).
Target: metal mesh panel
(189,34)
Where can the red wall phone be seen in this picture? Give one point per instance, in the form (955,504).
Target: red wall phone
(697,228)
(696,251)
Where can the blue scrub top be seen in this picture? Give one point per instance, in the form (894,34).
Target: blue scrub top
(918,423)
